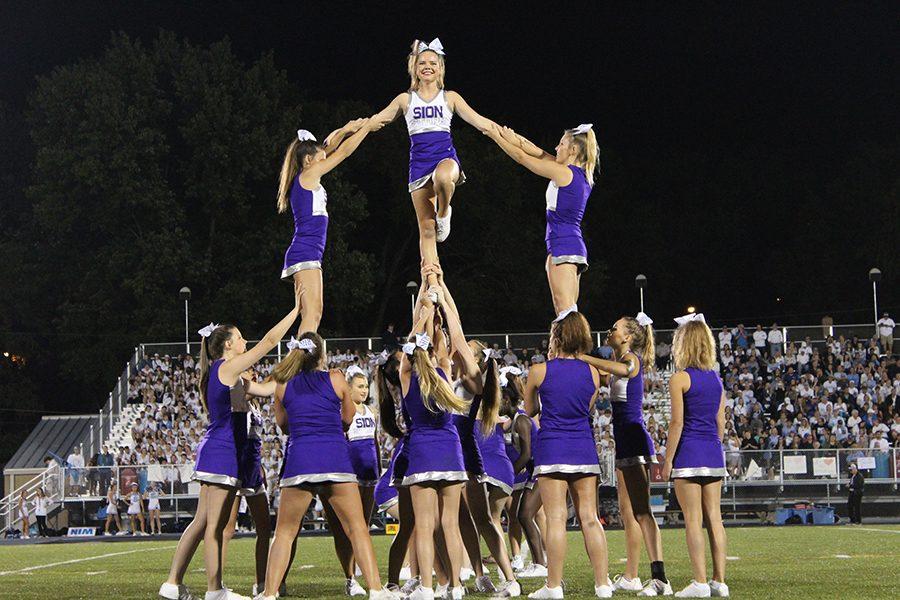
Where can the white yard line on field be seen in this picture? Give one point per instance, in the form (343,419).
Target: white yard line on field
(868,529)
(78,560)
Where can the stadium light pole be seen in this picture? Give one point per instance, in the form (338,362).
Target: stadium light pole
(875,277)
(185,294)
(640,283)
(412,287)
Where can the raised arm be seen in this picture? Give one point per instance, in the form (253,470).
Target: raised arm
(549,169)
(627,367)
(426,313)
(233,367)
(348,407)
(532,385)
(530,147)
(467,113)
(315,171)
(336,137)
(393,110)
(678,385)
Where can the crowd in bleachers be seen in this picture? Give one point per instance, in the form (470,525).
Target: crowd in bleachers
(843,393)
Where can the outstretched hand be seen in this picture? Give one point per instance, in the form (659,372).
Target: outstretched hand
(509,134)
(356,124)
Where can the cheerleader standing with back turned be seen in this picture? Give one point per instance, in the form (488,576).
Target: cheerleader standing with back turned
(695,459)
(565,457)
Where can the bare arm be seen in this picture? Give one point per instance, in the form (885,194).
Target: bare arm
(425,314)
(627,367)
(263,390)
(523,428)
(337,136)
(549,169)
(278,407)
(467,113)
(314,172)
(348,407)
(720,417)
(393,110)
(531,148)
(532,397)
(233,367)
(679,383)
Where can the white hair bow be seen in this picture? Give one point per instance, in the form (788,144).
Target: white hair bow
(207,331)
(487,353)
(353,371)
(504,381)
(583,128)
(435,46)
(690,317)
(304,344)
(306,136)
(381,358)
(422,341)
(643,319)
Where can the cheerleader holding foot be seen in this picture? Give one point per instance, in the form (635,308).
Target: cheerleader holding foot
(305,162)
(565,457)
(520,435)
(223,357)
(571,175)
(390,493)
(695,459)
(631,339)
(313,405)
(436,471)
(434,168)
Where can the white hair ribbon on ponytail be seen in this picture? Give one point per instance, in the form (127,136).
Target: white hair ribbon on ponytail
(583,128)
(487,353)
(304,344)
(207,331)
(435,46)
(381,358)
(409,348)
(422,341)
(643,319)
(353,371)
(690,317)
(504,381)
(306,136)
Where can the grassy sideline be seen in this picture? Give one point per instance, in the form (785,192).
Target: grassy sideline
(799,563)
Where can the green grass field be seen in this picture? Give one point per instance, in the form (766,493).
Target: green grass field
(784,562)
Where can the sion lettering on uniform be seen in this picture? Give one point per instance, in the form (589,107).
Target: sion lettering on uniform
(428,112)
(363,422)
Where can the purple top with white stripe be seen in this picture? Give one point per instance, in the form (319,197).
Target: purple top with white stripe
(565,209)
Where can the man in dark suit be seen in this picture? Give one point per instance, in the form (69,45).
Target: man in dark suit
(854,501)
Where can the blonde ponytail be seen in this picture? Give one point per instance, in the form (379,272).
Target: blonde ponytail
(642,341)
(588,153)
(436,393)
(204,373)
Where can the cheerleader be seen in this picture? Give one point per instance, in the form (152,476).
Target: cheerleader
(436,470)
(305,162)
(565,458)
(112,510)
(223,357)
(22,514)
(152,497)
(364,458)
(253,475)
(434,168)
(631,339)
(136,510)
(390,493)
(520,433)
(312,405)
(695,459)
(571,175)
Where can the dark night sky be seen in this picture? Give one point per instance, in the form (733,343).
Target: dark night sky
(715,81)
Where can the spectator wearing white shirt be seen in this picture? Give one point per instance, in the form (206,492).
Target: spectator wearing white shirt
(724,337)
(76,466)
(775,339)
(886,333)
(760,338)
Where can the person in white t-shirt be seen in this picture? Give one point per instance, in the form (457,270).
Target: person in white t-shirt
(41,504)
(760,338)
(775,339)
(886,333)
(725,337)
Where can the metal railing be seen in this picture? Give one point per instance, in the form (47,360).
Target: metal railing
(48,480)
